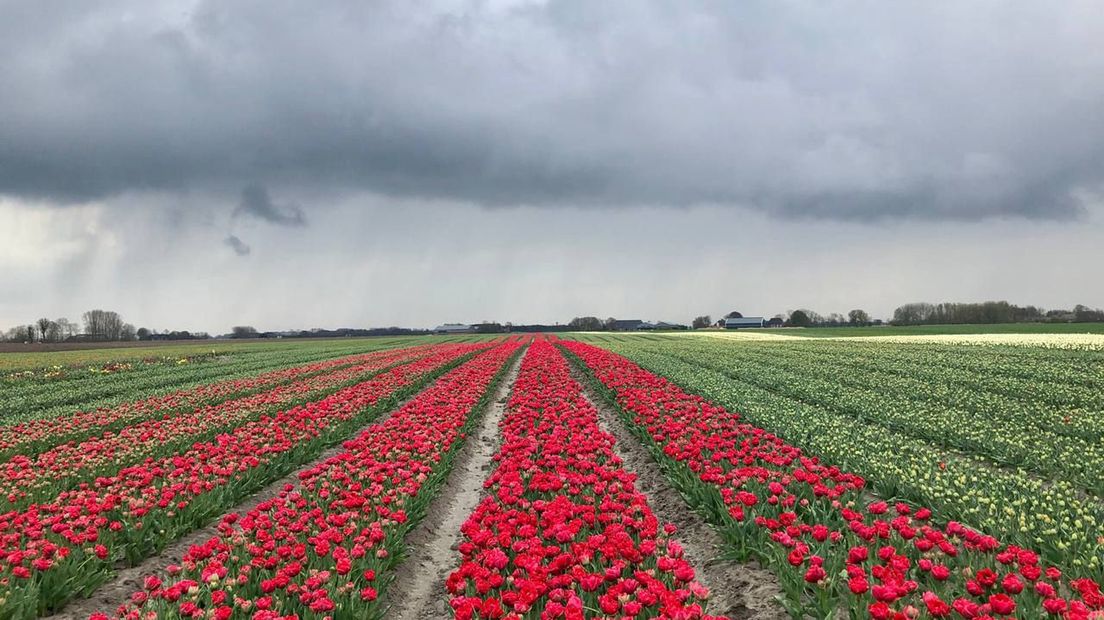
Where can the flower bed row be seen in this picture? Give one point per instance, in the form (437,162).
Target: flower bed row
(563,532)
(60,371)
(33,436)
(327,547)
(25,479)
(64,397)
(833,546)
(51,552)
(1004,431)
(1050,516)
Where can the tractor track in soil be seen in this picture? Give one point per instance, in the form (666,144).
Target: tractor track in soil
(418,590)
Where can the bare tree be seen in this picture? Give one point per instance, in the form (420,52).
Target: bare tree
(243,331)
(53,332)
(702,321)
(66,328)
(43,327)
(103,325)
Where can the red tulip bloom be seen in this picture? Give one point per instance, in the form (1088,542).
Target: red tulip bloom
(966,608)
(936,606)
(1002,604)
(1054,606)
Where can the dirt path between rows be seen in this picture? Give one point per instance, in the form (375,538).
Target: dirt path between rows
(740,591)
(128,580)
(419,586)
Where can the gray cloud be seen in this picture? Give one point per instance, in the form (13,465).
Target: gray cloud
(855,110)
(523,265)
(256,202)
(234,243)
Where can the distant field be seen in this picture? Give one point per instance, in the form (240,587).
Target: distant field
(939,330)
(15,357)
(51,388)
(1077,336)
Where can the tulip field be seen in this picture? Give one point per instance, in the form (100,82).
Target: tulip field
(868,479)
(563,533)
(878,478)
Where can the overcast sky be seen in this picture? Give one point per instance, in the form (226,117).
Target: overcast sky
(195,165)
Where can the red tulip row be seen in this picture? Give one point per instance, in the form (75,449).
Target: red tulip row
(563,532)
(326,547)
(832,545)
(24,479)
(51,552)
(34,435)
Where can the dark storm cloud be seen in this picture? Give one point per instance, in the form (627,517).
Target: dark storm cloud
(256,202)
(850,110)
(234,243)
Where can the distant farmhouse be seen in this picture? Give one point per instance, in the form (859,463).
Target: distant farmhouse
(636,325)
(666,325)
(743,322)
(626,325)
(454,328)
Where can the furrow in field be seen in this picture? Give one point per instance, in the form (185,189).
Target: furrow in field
(327,545)
(65,548)
(834,549)
(421,577)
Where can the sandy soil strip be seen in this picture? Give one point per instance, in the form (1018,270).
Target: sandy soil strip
(737,590)
(418,590)
(128,580)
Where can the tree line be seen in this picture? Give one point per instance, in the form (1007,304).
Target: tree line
(810,318)
(795,318)
(107,325)
(920,313)
(989,312)
(96,325)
